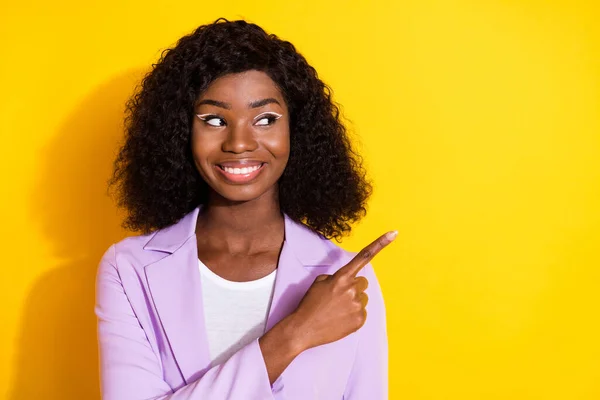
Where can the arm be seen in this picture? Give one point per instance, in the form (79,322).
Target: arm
(131,370)
(369,376)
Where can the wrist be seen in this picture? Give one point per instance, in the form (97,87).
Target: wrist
(279,347)
(285,338)
(282,339)
(293,333)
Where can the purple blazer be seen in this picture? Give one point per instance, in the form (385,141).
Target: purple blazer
(152,337)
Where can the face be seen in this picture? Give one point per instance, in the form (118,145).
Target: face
(240,136)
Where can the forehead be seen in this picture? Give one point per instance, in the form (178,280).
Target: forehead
(243,87)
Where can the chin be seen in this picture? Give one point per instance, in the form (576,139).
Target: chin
(242,194)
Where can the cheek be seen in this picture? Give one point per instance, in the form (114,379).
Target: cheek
(202,146)
(279,145)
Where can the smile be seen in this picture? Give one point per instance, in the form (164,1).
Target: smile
(240,175)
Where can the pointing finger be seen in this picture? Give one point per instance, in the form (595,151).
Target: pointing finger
(366,255)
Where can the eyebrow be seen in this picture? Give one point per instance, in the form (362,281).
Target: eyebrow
(263,102)
(227,106)
(215,103)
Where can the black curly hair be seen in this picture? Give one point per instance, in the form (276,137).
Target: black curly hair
(156,181)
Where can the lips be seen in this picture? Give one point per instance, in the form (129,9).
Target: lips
(240,163)
(240,172)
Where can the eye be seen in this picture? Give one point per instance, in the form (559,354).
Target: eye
(212,120)
(267,119)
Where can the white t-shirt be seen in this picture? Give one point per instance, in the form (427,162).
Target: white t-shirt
(235,313)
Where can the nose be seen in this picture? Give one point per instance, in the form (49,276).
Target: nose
(240,139)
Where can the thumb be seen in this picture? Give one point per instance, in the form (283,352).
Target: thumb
(322,277)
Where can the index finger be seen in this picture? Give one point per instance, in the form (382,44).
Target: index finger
(366,255)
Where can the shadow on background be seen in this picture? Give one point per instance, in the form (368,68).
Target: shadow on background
(57,348)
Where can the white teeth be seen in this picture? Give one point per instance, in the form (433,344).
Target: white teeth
(241,171)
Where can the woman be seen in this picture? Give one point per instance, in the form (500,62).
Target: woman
(237,169)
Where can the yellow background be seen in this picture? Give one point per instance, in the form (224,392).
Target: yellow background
(480,125)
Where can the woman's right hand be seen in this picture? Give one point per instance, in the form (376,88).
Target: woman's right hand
(335,305)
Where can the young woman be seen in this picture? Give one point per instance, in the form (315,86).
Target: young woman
(237,171)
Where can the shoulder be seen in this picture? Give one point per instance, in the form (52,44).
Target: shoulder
(128,252)
(316,250)
(137,251)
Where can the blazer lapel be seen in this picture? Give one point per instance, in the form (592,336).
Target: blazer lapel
(302,250)
(176,286)
(176,290)
(290,282)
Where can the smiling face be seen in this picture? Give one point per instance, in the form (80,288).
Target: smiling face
(240,136)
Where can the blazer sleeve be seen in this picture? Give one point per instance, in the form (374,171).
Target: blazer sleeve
(369,376)
(130,369)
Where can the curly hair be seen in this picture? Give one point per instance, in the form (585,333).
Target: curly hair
(323,186)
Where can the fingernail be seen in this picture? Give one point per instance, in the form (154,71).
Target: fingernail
(392,235)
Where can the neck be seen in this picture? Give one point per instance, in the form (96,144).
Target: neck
(241,227)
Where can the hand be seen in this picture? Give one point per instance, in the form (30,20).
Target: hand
(335,305)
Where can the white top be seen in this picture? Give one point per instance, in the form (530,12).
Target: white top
(235,313)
